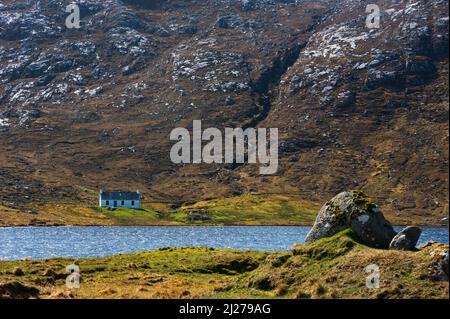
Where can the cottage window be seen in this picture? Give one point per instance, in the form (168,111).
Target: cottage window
(107,202)
(132,203)
(123,203)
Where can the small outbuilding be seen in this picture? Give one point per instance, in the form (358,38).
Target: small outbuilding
(120,199)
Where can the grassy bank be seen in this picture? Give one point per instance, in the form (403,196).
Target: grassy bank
(330,268)
(254,209)
(242,210)
(249,209)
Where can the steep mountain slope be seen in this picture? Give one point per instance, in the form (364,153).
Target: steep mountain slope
(372,107)
(90,108)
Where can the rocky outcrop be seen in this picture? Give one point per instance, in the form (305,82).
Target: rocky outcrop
(198,217)
(406,239)
(439,267)
(16,290)
(443,264)
(353,210)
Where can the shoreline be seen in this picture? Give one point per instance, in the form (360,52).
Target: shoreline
(317,270)
(205,225)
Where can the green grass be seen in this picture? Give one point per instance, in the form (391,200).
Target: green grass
(129,216)
(256,209)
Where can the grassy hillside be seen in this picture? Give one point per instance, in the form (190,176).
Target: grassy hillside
(248,209)
(256,209)
(330,268)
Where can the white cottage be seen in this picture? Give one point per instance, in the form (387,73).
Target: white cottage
(120,199)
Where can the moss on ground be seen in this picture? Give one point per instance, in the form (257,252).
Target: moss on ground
(329,268)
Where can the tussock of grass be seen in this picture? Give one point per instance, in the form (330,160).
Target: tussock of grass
(328,248)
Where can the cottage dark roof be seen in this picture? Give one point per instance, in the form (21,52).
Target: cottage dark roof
(120,195)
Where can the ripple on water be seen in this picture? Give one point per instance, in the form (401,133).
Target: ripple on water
(79,242)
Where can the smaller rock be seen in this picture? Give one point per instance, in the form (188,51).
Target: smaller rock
(187,30)
(35,69)
(132,266)
(135,66)
(406,239)
(392,104)
(230,101)
(18,271)
(248,5)
(196,217)
(231,21)
(374,63)
(16,290)
(439,268)
(426,244)
(50,273)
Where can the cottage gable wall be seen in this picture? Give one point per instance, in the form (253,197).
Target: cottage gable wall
(120,199)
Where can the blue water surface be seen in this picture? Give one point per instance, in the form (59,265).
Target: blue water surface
(79,242)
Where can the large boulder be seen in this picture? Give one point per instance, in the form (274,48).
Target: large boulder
(353,210)
(406,239)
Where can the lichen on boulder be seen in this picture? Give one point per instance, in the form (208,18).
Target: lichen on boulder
(357,211)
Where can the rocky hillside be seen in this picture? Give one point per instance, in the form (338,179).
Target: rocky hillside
(357,108)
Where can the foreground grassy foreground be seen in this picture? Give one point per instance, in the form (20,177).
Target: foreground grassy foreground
(330,268)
